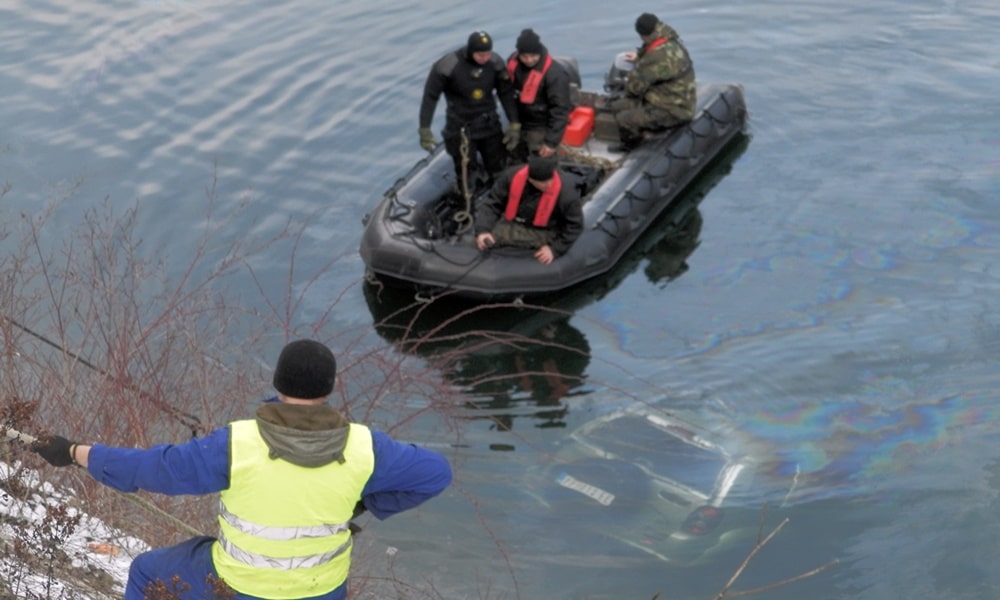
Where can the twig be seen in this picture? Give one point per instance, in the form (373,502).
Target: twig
(185,418)
(784,581)
(746,561)
(724,593)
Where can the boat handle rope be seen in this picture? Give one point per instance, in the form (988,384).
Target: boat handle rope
(627,196)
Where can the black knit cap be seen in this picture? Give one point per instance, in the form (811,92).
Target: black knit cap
(646,23)
(306,369)
(529,42)
(480,41)
(541,169)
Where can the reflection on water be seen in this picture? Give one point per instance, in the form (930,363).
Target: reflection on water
(510,361)
(840,444)
(668,258)
(541,374)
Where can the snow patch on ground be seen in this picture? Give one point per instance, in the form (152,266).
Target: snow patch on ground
(41,525)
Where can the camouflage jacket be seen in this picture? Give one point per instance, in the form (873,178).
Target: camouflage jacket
(664,75)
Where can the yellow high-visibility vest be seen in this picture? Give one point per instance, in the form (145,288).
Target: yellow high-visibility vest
(284,528)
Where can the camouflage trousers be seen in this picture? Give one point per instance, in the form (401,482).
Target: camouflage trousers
(518,235)
(634,117)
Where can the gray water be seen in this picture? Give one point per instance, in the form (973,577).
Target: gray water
(837,314)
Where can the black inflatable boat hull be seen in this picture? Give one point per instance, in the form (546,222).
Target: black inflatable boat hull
(400,247)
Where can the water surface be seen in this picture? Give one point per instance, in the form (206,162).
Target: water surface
(839,315)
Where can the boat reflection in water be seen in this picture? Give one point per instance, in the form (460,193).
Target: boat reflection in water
(510,361)
(516,360)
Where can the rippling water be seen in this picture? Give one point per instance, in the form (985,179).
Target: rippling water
(838,318)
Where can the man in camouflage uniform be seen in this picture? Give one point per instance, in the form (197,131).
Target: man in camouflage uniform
(660,89)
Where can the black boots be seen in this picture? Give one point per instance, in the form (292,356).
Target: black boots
(623,146)
(627,144)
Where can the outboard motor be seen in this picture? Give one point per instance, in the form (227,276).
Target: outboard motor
(614,79)
(573,69)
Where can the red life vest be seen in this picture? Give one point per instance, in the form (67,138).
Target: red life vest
(655,44)
(545,206)
(530,88)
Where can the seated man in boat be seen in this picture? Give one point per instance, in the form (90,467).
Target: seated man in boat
(471,78)
(541,86)
(529,207)
(660,89)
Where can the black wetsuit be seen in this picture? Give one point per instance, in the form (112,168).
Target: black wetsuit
(469,90)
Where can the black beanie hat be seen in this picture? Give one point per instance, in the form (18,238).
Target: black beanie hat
(529,42)
(646,23)
(541,169)
(306,369)
(480,41)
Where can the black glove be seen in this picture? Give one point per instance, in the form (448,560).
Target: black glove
(55,450)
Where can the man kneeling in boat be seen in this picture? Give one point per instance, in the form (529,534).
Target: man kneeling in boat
(529,207)
(660,89)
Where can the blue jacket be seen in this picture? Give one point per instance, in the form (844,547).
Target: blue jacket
(404,475)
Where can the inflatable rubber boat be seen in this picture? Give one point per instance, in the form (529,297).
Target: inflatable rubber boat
(420,234)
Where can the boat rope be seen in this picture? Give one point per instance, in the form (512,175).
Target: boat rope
(464,217)
(372,279)
(402,210)
(589,159)
(631,199)
(472,264)
(423,297)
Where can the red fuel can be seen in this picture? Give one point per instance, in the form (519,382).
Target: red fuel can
(581,124)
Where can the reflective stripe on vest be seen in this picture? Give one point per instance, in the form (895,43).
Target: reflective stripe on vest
(261,561)
(545,205)
(534,80)
(279,533)
(284,528)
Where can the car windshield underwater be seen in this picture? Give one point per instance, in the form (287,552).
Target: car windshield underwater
(662,448)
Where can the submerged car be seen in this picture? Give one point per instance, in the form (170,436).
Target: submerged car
(647,479)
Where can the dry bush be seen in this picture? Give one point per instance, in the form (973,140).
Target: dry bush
(103,340)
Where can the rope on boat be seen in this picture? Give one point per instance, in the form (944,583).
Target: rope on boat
(423,298)
(464,217)
(628,196)
(605,164)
